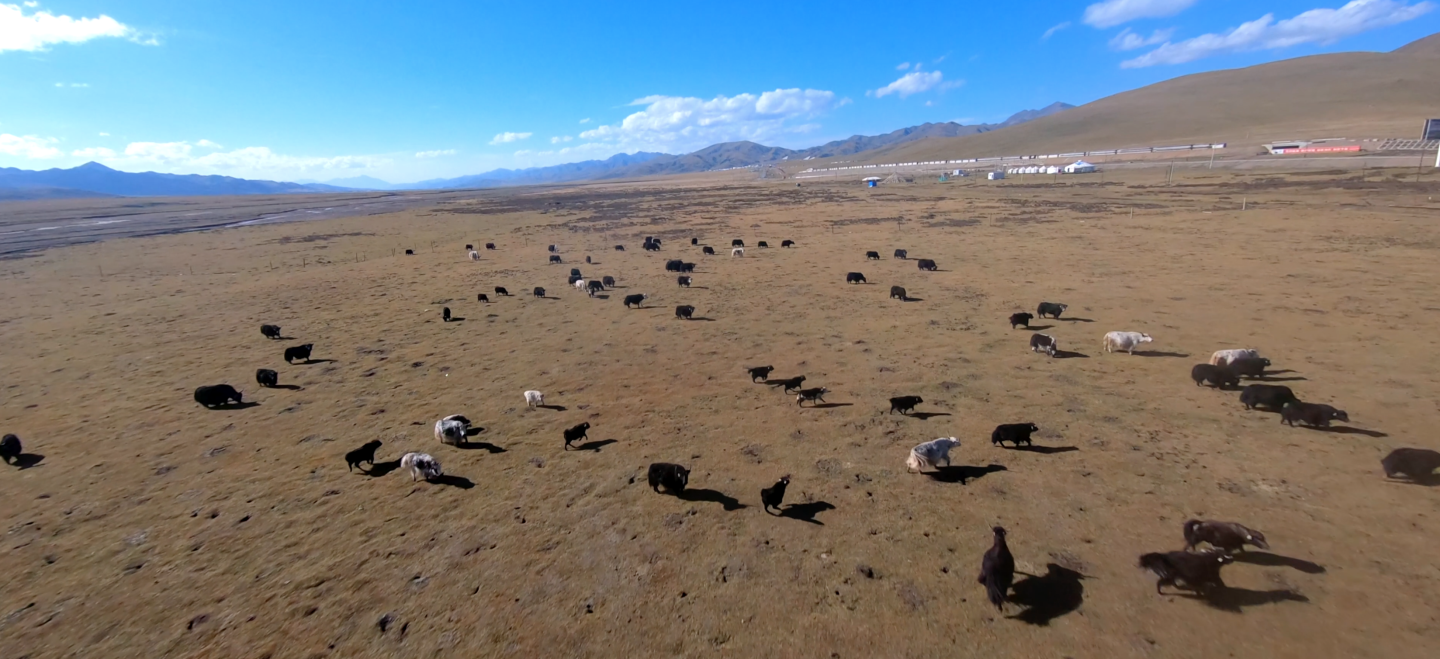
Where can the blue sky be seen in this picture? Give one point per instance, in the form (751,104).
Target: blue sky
(410,91)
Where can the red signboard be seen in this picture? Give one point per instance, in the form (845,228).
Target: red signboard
(1320,149)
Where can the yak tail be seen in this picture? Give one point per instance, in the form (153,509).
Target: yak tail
(997,596)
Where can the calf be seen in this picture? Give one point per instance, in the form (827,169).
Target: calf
(489,245)
(904,404)
(575,433)
(555,258)
(270,331)
(534,399)
(763,244)
(10,449)
(595,287)
(1125,341)
(683,281)
(539,291)
(787,243)
(927,264)
(855,278)
(684,311)
(1416,464)
(902,254)
(774,495)
(872,256)
(608,281)
(737,243)
(1266,395)
(500,290)
(1228,536)
(637,299)
(1224,357)
(1044,343)
(788,385)
(619,248)
(707,250)
(898,292)
(1050,309)
(737,252)
(217,395)
(301,353)
(1015,433)
(1314,415)
(483,298)
(813,395)
(672,477)
(930,454)
(421,465)
(1250,367)
(760,372)
(266,377)
(1021,318)
(1199,572)
(445,314)
(1219,376)
(453,430)
(997,569)
(366,453)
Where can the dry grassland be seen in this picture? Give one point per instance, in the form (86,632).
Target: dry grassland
(155,528)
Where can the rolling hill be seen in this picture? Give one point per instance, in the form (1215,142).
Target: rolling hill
(93,179)
(1354,95)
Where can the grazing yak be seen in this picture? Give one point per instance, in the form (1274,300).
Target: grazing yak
(445,314)
(759,372)
(1015,433)
(694,241)
(453,430)
(1044,343)
(539,291)
(575,272)
(490,246)
(619,248)
(855,278)
(608,281)
(684,311)
(737,243)
(787,243)
(1219,376)
(573,278)
(687,267)
(774,495)
(474,255)
(1272,396)
(1021,318)
(587,258)
(707,250)
(904,404)
(10,449)
(579,284)
(1249,367)
(1199,571)
(366,453)
(1124,341)
(931,454)
(763,244)
(421,465)
(595,287)
(553,248)
(997,570)
(409,252)
(575,433)
(483,298)
(555,258)
(500,290)
(534,399)
(898,292)
(682,280)
(270,331)
(902,254)
(217,395)
(673,265)
(872,256)
(1314,415)
(650,246)
(1416,464)
(813,395)
(1050,309)
(637,299)
(1224,357)
(738,252)
(300,353)
(266,377)
(1228,536)
(672,477)
(927,264)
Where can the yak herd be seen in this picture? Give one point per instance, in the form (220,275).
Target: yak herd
(1197,571)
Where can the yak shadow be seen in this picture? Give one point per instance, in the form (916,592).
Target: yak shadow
(28,460)
(1159,353)
(601,297)
(1351,430)
(547,297)
(806,512)
(454,481)
(826,406)
(288,387)
(912,299)
(701,318)
(1235,600)
(923,416)
(1427,480)
(962,474)
(486,446)
(1048,596)
(729,502)
(1076,320)
(235,406)
(557,408)
(1037,328)
(381,468)
(322,361)
(1268,559)
(596,446)
(1268,378)
(1066,354)
(456,319)
(474,431)
(1043,450)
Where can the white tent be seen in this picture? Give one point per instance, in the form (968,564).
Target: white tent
(1079,167)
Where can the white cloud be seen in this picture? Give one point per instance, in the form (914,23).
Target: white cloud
(1265,33)
(73,84)
(560,138)
(436,154)
(911,83)
(1128,40)
(1110,13)
(586,120)
(1051,32)
(39,30)
(104,134)
(902,66)
(93,153)
(29,146)
(207,144)
(507,137)
(249,162)
(682,123)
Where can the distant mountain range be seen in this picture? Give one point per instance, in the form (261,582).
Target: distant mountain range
(96,180)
